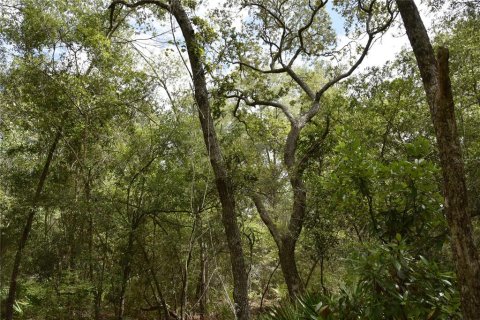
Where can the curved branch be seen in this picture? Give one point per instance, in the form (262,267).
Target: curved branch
(275,16)
(316,105)
(134,5)
(271,70)
(314,147)
(305,27)
(305,87)
(268,103)
(371,36)
(264,293)
(267,220)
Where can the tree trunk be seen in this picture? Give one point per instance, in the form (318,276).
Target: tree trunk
(286,240)
(202,276)
(310,273)
(295,227)
(185,282)
(126,263)
(322,271)
(264,293)
(28,227)
(161,300)
(125,276)
(222,181)
(286,253)
(98,294)
(436,82)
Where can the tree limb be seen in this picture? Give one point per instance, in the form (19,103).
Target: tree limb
(265,216)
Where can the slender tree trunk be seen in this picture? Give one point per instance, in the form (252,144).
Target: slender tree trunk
(123,288)
(98,293)
(98,290)
(97,304)
(100,284)
(264,293)
(322,278)
(310,273)
(158,288)
(201,294)
(202,277)
(126,272)
(436,82)
(222,180)
(90,227)
(295,226)
(191,244)
(28,227)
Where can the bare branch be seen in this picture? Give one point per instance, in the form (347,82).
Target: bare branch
(347,73)
(255,102)
(277,18)
(371,36)
(309,23)
(243,64)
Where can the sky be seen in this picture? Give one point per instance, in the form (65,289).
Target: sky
(384,49)
(389,45)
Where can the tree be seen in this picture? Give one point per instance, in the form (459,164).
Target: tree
(286,40)
(54,81)
(327,169)
(223,183)
(434,71)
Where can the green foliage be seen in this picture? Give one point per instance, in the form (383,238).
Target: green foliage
(386,282)
(65,297)
(129,199)
(409,197)
(397,284)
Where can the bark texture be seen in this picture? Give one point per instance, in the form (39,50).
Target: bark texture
(436,81)
(222,180)
(288,263)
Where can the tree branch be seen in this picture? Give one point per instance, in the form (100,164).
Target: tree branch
(272,70)
(135,5)
(264,215)
(274,104)
(314,147)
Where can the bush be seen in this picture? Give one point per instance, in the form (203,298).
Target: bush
(387,282)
